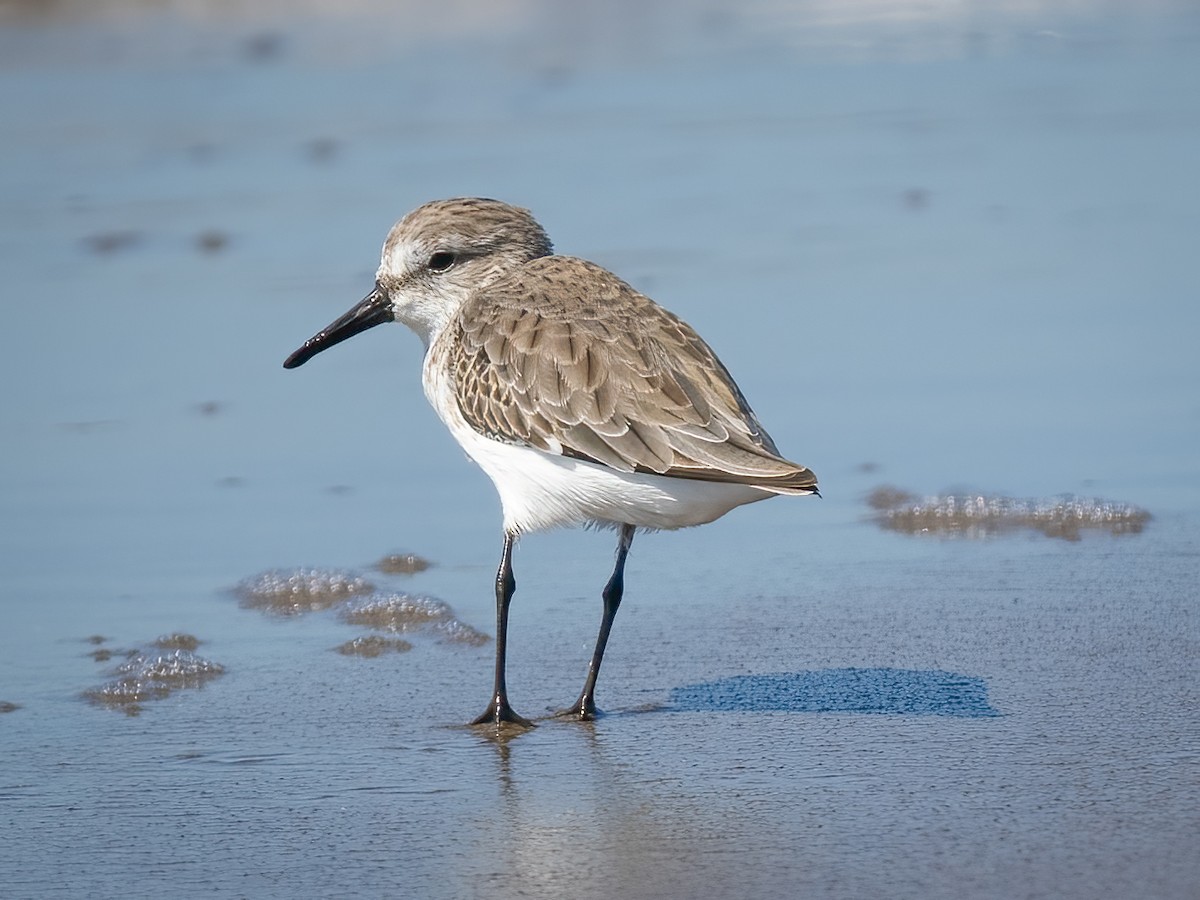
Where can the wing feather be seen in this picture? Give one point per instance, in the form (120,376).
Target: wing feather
(566,357)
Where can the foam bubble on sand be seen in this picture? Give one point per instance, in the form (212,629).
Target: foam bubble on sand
(982,515)
(400,613)
(402,564)
(372,645)
(297,591)
(154,674)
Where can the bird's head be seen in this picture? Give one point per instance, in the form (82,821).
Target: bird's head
(433,260)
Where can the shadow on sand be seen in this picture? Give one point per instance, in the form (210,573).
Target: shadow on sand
(873,690)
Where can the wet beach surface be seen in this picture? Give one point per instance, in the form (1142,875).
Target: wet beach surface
(245,612)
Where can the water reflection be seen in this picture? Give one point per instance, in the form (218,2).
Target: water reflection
(578,818)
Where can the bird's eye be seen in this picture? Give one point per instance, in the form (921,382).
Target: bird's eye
(441,261)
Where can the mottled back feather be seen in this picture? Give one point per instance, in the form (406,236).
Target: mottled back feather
(562,355)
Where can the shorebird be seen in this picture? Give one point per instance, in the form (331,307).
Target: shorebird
(585,401)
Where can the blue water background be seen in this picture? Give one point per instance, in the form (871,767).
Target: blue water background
(942,248)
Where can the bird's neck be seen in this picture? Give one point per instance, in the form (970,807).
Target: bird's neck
(427,320)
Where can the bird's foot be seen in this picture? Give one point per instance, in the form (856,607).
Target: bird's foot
(583,710)
(499,713)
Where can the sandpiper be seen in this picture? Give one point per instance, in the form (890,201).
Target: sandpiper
(585,401)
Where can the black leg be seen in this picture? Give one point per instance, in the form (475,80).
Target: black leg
(585,706)
(498,710)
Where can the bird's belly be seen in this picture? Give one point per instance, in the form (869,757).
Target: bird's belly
(540,490)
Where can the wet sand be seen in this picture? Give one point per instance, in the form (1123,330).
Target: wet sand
(949,254)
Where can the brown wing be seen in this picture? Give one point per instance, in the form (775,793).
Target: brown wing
(566,357)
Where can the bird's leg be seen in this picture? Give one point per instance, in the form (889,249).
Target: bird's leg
(585,706)
(498,710)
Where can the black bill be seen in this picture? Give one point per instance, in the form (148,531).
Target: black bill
(374,309)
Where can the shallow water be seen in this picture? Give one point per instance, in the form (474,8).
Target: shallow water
(948,251)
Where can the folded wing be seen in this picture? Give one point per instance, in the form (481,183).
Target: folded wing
(607,376)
